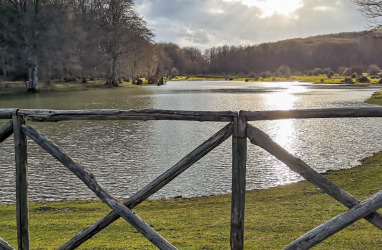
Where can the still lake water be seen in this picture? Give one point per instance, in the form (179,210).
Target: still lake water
(126,155)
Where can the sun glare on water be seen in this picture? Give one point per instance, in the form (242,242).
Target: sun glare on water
(270,7)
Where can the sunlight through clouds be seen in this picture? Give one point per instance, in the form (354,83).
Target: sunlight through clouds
(243,22)
(271,7)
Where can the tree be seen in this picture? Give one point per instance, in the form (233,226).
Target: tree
(24,31)
(371,9)
(121,26)
(284,71)
(32,31)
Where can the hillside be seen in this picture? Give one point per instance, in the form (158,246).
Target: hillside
(332,51)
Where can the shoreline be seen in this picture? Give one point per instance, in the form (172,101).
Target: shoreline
(18,88)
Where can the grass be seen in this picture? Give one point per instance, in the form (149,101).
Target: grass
(323,79)
(376,98)
(59,86)
(274,217)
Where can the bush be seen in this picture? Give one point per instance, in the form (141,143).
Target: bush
(265,74)
(348,80)
(317,71)
(341,70)
(363,79)
(373,69)
(348,72)
(284,71)
(251,74)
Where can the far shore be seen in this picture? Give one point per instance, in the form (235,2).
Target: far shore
(19,87)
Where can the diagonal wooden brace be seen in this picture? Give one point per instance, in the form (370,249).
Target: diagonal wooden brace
(154,186)
(4,245)
(89,179)
(261,139)
(337,223)
(6,131)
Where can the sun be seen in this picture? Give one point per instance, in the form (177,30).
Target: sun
(270,7)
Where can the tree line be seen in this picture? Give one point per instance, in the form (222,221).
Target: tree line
(64,39)
(88,39)
(302,56)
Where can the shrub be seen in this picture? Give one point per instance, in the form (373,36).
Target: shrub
(284,71)
(348,80)
(251,74)
(348,72)
(363,79)
(265,74)
(373,69)
(174,71)
(317,71)
(341,70)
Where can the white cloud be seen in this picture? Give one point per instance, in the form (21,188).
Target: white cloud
(207,23)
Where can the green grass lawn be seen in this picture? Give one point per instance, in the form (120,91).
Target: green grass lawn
(376,98)
(323,79)
(274,218)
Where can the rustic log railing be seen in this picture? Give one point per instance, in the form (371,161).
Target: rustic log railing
(240,130)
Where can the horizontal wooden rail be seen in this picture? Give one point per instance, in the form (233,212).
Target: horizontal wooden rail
(157,114)
(312,113)
(90,181)
(6,131)
(337,223)
(6,113)
(153,187)
(259,138)
(110,114)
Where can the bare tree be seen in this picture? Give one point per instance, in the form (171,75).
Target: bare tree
(121,26)
(30,30)
(371,9)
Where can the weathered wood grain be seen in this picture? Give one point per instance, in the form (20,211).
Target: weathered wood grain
(312,113)
(90,181)
(6,131)
(259,138)
(153,187)
(111,114)
(239,159)
(6,113)
(5,245)
(337,223)
(22,217)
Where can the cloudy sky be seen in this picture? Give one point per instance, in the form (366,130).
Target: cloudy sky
(207,23)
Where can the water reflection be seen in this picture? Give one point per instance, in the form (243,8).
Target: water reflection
(126,155)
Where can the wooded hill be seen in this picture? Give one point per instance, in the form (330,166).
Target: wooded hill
(351,49)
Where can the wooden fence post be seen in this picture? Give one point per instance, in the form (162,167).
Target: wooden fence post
(239,159)
(21,182)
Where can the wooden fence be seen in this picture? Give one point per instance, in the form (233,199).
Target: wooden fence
(237,127)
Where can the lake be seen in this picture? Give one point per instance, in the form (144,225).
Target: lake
(126,155)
